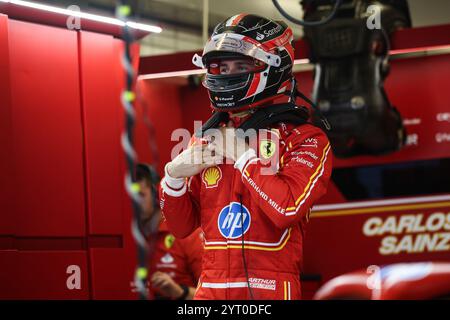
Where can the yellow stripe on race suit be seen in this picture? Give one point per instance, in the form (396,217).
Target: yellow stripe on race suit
(251,247)
(319,168)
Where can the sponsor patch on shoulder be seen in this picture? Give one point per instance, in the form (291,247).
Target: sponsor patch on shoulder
(267,148)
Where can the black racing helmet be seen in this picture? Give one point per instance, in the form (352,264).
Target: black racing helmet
(248,60)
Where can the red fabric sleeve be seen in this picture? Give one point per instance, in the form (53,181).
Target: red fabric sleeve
(180,208)
(305,168)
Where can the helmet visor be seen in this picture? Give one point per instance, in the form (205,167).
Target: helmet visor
(233,66)
(232,42)
(226,83)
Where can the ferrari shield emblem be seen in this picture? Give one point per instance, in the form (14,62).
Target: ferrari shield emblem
(169,240)
(267,148)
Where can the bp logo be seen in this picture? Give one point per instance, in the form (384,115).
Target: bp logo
(234,222)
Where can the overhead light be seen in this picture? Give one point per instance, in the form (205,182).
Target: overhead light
(84,15)
(144,27)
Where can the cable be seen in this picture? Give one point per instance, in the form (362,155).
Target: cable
(307,23)
(243,252)
(297,93)
(123,11)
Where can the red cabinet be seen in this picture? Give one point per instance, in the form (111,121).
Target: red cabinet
(101,83)
(51,275)
(46,132)
(65,231)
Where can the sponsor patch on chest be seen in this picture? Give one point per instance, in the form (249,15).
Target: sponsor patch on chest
(211,177)
(234,220)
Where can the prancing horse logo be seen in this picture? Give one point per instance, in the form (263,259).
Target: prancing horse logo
(267,148)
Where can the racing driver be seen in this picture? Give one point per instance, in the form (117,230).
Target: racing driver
(253,222)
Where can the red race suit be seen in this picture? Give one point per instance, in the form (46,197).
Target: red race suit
(269,210)
(180,258)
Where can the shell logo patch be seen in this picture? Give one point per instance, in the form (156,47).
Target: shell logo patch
(211,177)
(267,148)
(169,240)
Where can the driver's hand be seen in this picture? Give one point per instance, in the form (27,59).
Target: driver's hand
(192,161)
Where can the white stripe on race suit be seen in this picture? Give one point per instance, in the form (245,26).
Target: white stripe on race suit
(266,244)
(289,290)
(232,285)
(224,285)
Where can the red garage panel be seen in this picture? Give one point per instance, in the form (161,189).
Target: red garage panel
(163,103)
(103,78)
(51,275)
(47,136)
(112,270)
(7,182)
(199,108)
(101,84)
(113,273)
(8,274)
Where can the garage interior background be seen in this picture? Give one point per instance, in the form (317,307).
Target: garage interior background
(182,20)
(62,198)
